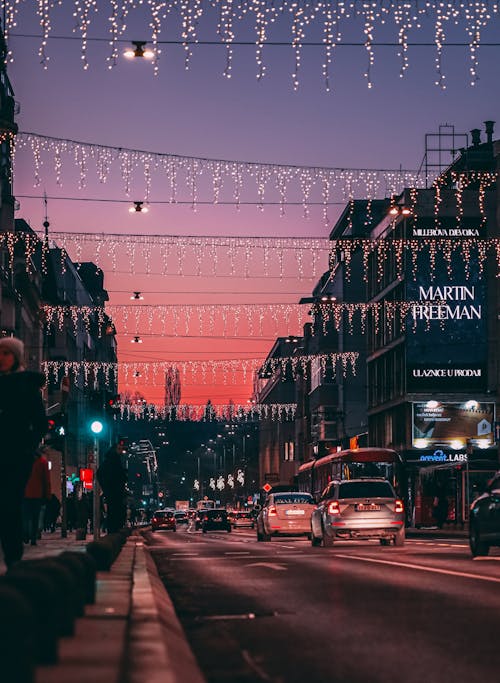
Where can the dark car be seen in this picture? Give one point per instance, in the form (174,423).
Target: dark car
(181,516)
(214,520)
(163,519)
(484,523)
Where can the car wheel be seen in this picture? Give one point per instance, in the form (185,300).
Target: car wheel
(478,548)
(315,541)
(385,541)
(229,530)
(174,529)
(327,540)
(399,538)
(204,531)
(260,538)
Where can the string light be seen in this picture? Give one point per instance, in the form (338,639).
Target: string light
(261,178)
(328,17)
(212,255)
(95,373)
(214,413)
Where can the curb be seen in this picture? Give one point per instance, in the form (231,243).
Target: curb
(158,651)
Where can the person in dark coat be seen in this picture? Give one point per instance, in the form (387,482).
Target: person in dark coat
(36,494)
(112,477)
(52,510)
(23,423)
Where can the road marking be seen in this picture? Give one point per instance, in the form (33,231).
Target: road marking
(495,558)
(268,565)
(237,552)
(422,568)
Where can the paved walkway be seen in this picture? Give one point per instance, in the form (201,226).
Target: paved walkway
(131,634)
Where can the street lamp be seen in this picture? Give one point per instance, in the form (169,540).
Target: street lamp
(96,427)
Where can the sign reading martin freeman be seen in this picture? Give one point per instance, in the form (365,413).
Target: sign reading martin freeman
(447,326)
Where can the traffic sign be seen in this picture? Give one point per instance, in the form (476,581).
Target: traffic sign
(267,487)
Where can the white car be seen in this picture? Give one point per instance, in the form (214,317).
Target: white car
(287,514)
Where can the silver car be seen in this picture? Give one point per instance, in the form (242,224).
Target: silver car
(287,514)
(359,509)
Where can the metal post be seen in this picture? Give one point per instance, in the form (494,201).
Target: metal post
(64,507)
(97,491)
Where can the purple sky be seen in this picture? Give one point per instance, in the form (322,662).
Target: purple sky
(201,113)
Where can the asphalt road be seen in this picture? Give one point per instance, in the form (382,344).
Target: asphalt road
(284,612)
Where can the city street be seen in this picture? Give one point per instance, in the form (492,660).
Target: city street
(285,612)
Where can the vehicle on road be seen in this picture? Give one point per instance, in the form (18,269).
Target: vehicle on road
(484,521)
(215,520)
(285,513)
(359,509)
(163,519)
(242,518)
(181,516)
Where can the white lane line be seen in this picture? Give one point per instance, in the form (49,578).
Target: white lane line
(422,568)
(494,558)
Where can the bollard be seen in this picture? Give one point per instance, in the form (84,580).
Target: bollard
(40,593)
(16,636)
(64,582)
(88,571)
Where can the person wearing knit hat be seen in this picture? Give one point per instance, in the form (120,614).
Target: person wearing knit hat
(11,354)
(23,423)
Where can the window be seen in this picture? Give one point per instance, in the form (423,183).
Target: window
(289,450)
(366,489)
(293,499)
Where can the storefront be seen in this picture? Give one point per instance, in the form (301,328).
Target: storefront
(452,478)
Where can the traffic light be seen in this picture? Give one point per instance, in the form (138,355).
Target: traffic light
(56,430)
(112,404)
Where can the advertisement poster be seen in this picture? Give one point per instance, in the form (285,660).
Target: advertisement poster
(440,423)
(446,329)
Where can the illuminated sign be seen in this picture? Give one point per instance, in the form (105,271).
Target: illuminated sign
(442,423)
(446,347)
(440,456)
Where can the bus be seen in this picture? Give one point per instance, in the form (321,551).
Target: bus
(315,475)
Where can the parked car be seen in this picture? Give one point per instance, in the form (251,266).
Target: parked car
(163,519)
(242,518)
(181,517)
(214,520)
(360,509)
(484,521)
(287,513)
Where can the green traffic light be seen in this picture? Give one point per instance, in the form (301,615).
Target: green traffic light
(96,427)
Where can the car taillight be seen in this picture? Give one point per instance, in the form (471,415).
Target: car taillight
(399,506)
(155,519)
(334,508)
(272,511)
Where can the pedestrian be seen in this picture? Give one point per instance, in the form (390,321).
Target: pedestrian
(52,509)
(112,478)
(23,423)
(71,511)
(36,494)
(440,508)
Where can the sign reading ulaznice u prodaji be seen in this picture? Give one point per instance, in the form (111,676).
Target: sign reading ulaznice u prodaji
(447,326)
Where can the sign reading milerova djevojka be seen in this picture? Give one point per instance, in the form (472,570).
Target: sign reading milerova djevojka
(447,326)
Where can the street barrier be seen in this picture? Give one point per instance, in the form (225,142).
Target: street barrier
(17,636)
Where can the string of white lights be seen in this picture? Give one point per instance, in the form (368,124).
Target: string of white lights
(212,371)
(182,255)
(233,179)
(328,18)
(227,412)
(226,320)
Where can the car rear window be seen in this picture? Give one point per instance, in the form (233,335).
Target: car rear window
(242,515)
(163,514)
(366,489)
(293,499)
(215,513)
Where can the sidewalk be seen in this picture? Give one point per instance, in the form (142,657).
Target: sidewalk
(448,531)
(131,634)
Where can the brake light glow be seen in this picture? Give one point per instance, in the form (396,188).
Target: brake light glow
(155,519)
(334,508)
(272,511)
(398,506)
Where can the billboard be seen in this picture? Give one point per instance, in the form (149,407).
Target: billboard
(446,328)
(440,423)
